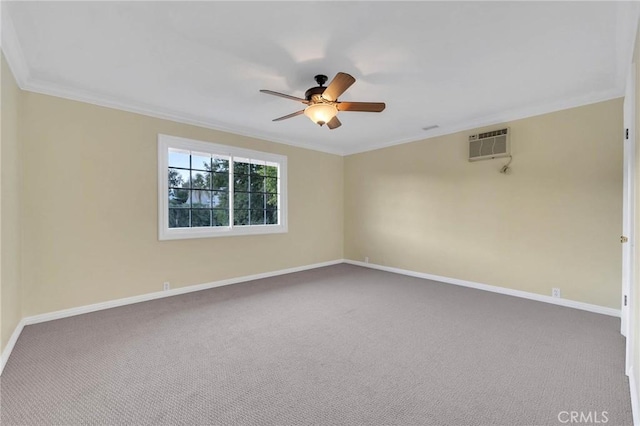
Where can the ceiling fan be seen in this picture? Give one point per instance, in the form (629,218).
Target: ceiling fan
(322,102)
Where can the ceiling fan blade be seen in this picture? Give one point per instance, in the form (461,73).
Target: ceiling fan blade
(338,85)
(361,106)
(334,123)
(282,95)
(293,114)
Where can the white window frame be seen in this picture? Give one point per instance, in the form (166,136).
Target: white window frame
(165,142)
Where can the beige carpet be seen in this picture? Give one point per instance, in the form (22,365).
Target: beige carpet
(341,345)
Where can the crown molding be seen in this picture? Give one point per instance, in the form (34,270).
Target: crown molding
(79,95)
(14,55)
(12,49)
(74,94)
(500,118)
(626,31)
(51,89)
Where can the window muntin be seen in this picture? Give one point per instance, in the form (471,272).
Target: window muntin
(256,192)
(198,189)
(215,190)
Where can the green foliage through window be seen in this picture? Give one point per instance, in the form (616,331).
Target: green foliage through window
(201,194)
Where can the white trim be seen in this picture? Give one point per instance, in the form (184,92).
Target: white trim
(17,63)
(635,401)
(627,200)
(626,29)
(501,118)
(165,142)
(52,89)
(65,313)
(103,100)
(4,357)
(12,50)
(173,292)
(20,70)
(628,250)
(494,289)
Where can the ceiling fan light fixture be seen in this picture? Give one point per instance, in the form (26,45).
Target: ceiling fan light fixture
(321,113)
(322,102)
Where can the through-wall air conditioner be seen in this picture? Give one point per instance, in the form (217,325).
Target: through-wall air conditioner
(487,145)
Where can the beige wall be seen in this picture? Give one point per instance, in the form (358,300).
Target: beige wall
(10,218)
(554,221)
(89,198)
(90,209)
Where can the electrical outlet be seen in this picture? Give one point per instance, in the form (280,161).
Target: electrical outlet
(366,259)
(555,292)
(166,285)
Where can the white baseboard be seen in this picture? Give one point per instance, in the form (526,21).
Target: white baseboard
(502,290)
(10,344)
(35,319)
(168,293)
(635,401)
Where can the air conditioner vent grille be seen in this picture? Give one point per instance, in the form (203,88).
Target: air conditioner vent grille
(487,145)
(493,133)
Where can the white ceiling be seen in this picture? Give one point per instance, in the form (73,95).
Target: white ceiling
(458,65)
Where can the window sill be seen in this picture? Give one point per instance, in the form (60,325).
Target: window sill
(190,233)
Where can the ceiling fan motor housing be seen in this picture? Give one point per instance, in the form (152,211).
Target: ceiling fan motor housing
(314,94)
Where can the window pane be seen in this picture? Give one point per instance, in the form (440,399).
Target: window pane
(220,165)
(257,168)
(241,200)
(272,217)
(257,183)
(200,180)
(220,200)
(220,181)
(271,185)
(257,217)
(200,161)
(241,166)
(210,185)
(241,217)
(272,201)
(178,218)
(256,201)
(179,198)
(241,183)
(200,217)
(220,217)
(271,171)
(200,199)
(179,159)
(179,178)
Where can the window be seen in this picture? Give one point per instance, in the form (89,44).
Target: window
(210,190)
